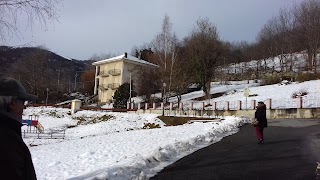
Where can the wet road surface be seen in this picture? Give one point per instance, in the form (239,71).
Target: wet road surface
(290,151)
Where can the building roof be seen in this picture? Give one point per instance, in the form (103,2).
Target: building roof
(127,58)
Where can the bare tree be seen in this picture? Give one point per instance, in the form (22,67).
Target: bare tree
(204,50)
(285,31)
(33,71)
(183,75)
(41,11)
(307,17)
(164,46)
(148,78)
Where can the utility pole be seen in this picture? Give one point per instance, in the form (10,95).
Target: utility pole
(58,79)
(75,81)
(130,89)
(163,97)
(47,97)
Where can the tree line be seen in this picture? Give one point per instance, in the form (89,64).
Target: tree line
(200,56)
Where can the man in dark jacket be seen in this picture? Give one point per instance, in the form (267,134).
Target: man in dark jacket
(15,157)
(260,116)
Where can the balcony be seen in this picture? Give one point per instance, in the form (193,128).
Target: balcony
(104,73)
(103,87)
(114,72)
(113,86)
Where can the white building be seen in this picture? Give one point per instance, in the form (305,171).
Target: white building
(113,72)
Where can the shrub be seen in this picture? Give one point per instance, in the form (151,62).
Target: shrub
(82,120)
(55,114)
(300,93)
(150,126)
(271,80)
(307,77)
(276,79)
(105,117)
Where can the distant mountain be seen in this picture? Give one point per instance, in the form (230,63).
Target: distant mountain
(10,55)
(41,71)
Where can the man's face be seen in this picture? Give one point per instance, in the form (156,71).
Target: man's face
(17,107)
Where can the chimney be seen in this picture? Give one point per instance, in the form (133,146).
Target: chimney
(125,55)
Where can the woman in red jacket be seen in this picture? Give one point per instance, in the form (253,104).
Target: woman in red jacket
(260,116)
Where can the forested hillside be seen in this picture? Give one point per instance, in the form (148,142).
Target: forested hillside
(40,70)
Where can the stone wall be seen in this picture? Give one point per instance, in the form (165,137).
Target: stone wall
(271,113)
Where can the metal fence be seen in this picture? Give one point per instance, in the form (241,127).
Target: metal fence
(52,134)
(310,102)
(306,102)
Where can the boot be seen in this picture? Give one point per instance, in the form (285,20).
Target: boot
(260,141)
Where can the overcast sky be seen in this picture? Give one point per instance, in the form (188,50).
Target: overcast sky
(116,26)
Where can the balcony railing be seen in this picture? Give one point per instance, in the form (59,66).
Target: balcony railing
(103,86)
(104,73)
(114,72)
(113,86)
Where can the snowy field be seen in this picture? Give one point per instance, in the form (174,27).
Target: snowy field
(116,147)
(280,94)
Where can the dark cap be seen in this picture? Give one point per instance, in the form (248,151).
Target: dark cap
(12,87)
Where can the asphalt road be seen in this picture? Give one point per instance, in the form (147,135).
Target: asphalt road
(290,151)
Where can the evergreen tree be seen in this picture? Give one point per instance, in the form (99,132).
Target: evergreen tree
(122,95)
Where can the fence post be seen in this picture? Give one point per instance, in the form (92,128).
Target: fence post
(253,104)
(191,106)
(239,105)
(132,105)
(139,105)
(128,105)
(299,102)
(181,106)
(214,105)
(146,106)
(226,105)
(268,104)
(154,106)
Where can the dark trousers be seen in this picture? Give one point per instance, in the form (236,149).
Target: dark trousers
(259,132)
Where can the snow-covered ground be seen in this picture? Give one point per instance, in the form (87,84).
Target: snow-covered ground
(102,145)
(105,145)
(282,95)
